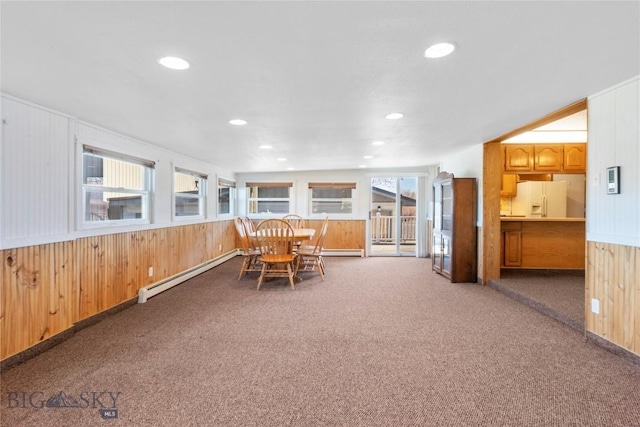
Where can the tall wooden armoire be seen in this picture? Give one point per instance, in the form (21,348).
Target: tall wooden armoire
(454,246)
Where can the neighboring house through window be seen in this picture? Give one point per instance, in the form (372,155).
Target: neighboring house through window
(115,188)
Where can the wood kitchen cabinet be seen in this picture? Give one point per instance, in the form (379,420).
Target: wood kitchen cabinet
(518,157)
(454,228)
(575,158)
(542,243)
(511,244)
(544,158)
(547,157)
(509,184)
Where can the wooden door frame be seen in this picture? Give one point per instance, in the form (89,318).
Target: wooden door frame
(491,179)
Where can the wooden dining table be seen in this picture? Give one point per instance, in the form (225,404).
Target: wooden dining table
(299,234)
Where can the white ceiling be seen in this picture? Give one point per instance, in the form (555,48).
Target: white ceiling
(315,79)
(572,128)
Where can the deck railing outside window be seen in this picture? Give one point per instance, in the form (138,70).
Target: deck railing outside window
(383,229)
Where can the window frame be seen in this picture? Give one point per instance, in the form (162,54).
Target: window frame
(201,195)
(257,200)
(231,185)
(146,194)
(332,185)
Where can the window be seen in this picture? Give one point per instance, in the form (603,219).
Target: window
(269,197)
(331,198)
(189,193)
(115,187)
(226,196)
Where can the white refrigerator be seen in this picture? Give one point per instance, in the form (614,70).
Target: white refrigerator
(540,199)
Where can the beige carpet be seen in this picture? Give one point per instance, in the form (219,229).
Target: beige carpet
(556,293)
(381,342)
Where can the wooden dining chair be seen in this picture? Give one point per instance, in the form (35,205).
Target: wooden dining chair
(250,252)
(295,220)
(310,257)
(275,239)
(250,228)
(250,225)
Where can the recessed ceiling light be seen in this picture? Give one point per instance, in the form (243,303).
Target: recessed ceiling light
(439,50)
(238,122)
(367,157)
(291,168)
(174,63)
(266,147)
(362,166)
(394,116)
(377,143)
(281,159)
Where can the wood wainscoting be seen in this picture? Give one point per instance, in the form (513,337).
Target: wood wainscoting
(39,294)
(613,278)
(343,234)
(47,288)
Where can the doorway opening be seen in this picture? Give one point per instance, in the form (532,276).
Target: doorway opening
(393,216)
(558,291)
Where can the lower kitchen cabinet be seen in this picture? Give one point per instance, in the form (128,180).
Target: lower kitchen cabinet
(543,243)
(512,245)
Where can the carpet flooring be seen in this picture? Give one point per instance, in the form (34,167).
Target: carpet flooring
(381,342)
(558,294)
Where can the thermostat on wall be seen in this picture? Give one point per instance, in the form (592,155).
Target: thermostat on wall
(613,180)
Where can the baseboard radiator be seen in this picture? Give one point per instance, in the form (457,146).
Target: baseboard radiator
(343,252)
(154,289)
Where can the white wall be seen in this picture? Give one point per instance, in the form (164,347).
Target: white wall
(468,164)
(614,140)
(41,168)
(35,165)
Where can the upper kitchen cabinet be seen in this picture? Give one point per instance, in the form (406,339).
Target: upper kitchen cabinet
(575,158)
(508,186)
(518,158)
(546,158)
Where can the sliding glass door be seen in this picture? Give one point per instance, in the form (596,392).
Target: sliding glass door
(393,225)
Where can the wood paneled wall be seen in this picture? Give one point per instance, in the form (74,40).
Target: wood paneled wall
(343,234)
(613,278)
(39,294)
(47,288)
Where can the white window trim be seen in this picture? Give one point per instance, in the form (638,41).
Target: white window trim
(332,215)
(233,198)
(321,215)
(265,215)
(202,196)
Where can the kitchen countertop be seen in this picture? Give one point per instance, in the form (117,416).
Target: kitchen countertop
(539,219)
